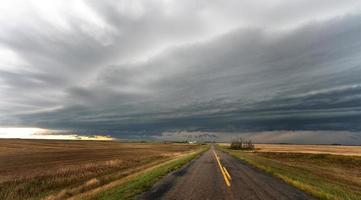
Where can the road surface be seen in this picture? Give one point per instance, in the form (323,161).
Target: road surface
(203,179)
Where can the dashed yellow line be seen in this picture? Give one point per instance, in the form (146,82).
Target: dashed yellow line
(226,176)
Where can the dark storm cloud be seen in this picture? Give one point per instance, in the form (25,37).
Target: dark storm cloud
(148,67)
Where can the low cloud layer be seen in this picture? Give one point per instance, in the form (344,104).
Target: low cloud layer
(290,137)
(144,67)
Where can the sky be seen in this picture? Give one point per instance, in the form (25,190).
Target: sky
(147,68)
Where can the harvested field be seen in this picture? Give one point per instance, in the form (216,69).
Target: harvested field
(35,169)
(320,149)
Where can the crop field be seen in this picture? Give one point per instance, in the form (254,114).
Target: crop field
(53,169)
(315,169)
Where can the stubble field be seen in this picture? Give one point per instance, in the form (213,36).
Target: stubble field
(53,169)
(316,149)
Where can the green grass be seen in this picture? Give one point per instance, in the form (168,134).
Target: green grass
(324,176)
(143,182)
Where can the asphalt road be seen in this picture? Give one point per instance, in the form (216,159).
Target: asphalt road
(203,179)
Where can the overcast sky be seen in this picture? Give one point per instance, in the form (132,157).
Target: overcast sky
(142,67)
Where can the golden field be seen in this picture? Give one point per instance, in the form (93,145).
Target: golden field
(54,169)
(307,148)
(320,149)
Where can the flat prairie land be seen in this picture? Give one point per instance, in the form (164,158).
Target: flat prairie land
(315,169)
(320,149)
(54,169)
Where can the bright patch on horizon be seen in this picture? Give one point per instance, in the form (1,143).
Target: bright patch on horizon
(38,133)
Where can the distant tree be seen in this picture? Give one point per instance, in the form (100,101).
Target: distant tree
(248,145)
(240,144)
(237,144)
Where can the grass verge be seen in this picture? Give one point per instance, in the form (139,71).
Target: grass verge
(325,176)
(142,182)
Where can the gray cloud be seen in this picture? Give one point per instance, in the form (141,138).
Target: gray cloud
(146,67)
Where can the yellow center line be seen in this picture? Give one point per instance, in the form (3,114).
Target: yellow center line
(225,173)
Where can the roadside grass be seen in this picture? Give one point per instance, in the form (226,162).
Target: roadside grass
(325,176)
(134,186)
